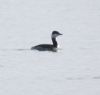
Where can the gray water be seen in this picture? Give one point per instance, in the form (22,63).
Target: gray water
(73,70)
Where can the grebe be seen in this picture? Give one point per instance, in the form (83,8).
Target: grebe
(48,47)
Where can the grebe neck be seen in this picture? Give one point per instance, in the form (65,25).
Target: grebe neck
(54,42)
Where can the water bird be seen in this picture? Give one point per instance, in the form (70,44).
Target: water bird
(48,47)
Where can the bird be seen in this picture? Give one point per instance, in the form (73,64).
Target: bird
(49,47)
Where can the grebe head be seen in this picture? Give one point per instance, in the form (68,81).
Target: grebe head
(55,34)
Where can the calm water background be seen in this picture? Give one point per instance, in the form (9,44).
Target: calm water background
(73,70)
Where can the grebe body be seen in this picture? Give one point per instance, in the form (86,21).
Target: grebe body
(48,47)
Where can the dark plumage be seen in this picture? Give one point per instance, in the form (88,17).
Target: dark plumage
(48,47)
